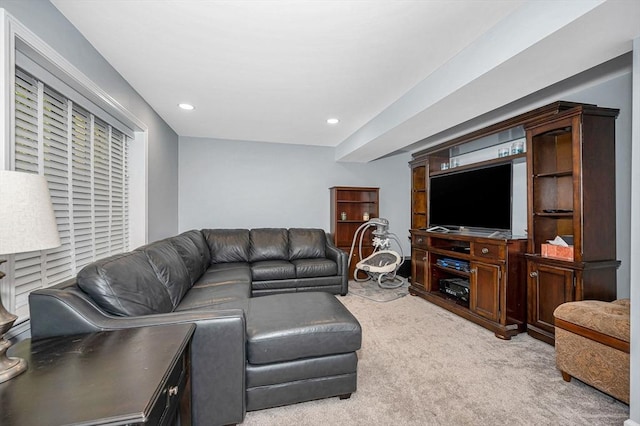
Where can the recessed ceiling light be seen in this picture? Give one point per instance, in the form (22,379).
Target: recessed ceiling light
(332,121)
(188,107)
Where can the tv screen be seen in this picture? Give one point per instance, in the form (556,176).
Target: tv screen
(478,198)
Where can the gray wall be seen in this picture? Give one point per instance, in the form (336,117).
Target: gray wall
(43,19)
(616,93)
(229,184)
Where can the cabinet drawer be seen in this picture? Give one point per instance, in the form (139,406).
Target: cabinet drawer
(419,241)
(167,404)
(488,251)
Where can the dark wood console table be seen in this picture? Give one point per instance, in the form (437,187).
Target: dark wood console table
(130,376)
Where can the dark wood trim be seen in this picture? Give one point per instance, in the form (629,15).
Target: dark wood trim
(594,335)
(500,331)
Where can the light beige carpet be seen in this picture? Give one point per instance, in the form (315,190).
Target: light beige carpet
(371,290)
(422,365)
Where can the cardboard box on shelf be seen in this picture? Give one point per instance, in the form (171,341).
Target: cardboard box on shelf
(557,252)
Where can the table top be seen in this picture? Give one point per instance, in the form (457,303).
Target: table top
(114,376)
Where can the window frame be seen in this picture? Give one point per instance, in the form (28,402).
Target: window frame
(14,36)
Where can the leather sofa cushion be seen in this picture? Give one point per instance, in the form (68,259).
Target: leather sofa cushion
(286,327)
(228,245)
(203,249)
(169,268)
(125,285)
(192,255)
(269,244)
(306,243)
(310,268)
(232,275)
(272,270)
(214,295)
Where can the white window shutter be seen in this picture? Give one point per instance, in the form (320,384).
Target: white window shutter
(85,162)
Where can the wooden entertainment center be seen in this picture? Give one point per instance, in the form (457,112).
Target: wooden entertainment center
(503,282)
(493,268)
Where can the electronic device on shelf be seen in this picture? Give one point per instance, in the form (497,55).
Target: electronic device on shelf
(461,249)
(456,287)
(457,264)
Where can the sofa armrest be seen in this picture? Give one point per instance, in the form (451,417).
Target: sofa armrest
(217,348)
(341,258)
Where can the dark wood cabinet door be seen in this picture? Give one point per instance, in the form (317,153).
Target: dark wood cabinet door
(419,268)
(549,286)
(485,290)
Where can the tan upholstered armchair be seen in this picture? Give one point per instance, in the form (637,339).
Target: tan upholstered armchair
(592,344)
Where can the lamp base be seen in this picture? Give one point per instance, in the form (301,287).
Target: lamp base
(9,367)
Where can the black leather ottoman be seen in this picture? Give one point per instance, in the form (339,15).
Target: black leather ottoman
(300,347)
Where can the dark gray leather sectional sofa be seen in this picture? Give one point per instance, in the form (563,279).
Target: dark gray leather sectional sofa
(293,344)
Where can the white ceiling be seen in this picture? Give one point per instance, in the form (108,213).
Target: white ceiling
(393,72)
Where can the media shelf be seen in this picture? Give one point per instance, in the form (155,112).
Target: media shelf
(493,267)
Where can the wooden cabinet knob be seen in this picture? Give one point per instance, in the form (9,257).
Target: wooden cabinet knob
(533,274)
(484,250)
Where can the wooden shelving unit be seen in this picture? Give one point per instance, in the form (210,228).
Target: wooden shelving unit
(571,189)
(354,202)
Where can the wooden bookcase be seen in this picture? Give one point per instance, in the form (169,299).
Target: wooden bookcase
(571,172)
(354,202)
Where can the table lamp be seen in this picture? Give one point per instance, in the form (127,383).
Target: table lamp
(27,223)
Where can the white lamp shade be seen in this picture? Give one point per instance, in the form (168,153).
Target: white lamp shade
(27,220)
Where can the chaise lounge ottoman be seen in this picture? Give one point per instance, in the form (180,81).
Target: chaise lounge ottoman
(299,348)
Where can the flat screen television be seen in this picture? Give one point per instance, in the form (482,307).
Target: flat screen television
(476,199)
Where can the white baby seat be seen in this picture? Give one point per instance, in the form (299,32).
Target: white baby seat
(381,264)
